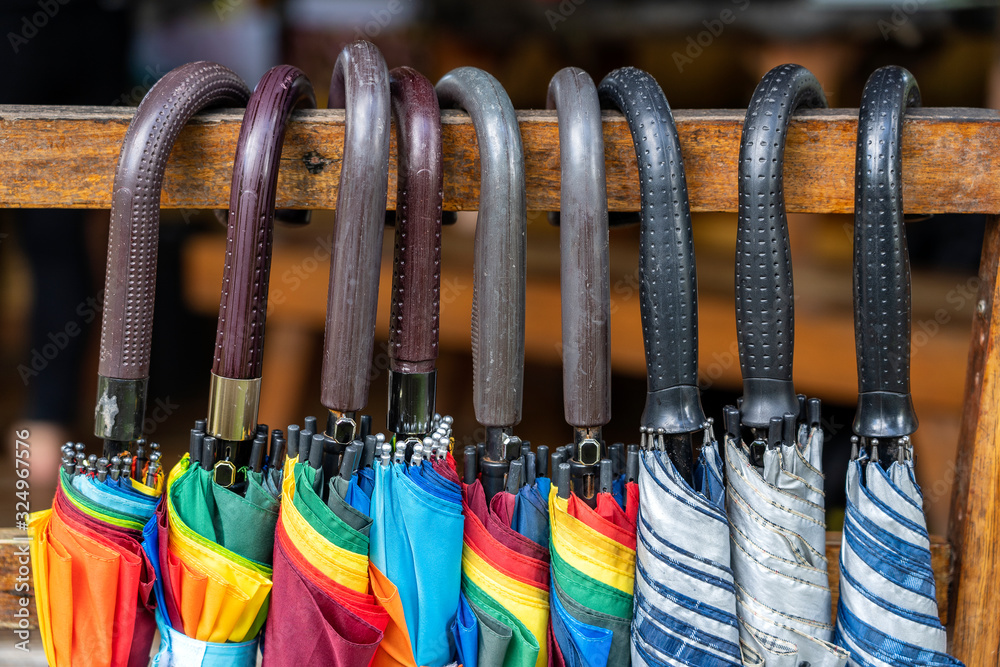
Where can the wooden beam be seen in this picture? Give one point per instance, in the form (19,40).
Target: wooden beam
(64,157)
(10,539)
(975,507)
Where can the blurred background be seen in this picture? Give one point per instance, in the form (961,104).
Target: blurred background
(705,55)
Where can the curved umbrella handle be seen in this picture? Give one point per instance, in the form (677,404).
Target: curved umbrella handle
(668,289)
(360,84)
(130,280)
(239,340)
(501,236)
(583,251)
(765,311)
(881,262)
(416,275)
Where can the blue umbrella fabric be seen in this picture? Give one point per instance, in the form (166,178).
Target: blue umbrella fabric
(888,612)
(416,541)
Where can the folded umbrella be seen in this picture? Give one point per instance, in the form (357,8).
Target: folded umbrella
(774,489)
(87,549)
(504,573)
(591,549)
(409,498)
(353,613)
(214,534)
(685,606)
(887,612)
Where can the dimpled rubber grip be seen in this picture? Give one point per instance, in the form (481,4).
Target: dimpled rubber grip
(583,250)
(501,245)
(130,280)
(360,85)
(764,299)
(881,262)
(668,289)
(239,338)
(416,272)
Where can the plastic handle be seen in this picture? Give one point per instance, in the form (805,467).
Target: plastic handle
(416,275)
(668,288)
(765,311)
(239,339)
(360,84)
(130,281)
(501,236)
(881,262)
(583,250)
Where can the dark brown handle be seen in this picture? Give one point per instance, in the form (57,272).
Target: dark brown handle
(127,322)
(416,275)
(239,339)
(881,261)
(501,233)
(583,250)
(360,84)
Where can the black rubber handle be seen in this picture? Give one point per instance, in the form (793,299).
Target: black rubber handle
(583,250)
(881,262)
(668,287)
(765,311)
(501,245)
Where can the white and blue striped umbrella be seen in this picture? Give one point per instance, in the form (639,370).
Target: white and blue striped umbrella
(888,612)
(685,602)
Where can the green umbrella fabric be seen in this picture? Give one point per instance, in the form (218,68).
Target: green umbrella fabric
(224,517)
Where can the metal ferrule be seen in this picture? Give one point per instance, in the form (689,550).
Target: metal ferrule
(120,408)
(411,402)
(341,426)
(232,407)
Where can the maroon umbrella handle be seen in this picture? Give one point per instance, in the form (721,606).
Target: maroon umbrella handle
(765,307)
(239,339)
(881,261)
(130,281)
(416,275)
(583,251)
(360,84)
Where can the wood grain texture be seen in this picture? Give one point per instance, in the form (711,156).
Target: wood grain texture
(64,157)
(975,518)
(11,539)
(13,550)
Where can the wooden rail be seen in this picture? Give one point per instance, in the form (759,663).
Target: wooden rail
(64,157)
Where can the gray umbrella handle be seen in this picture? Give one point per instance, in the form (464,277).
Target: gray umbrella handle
(416,271)
(239,338)
(668,288)
(130,281)
(765,311)
(583,250)
(881,262)
(360,84)
(501,235)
